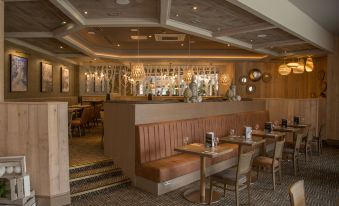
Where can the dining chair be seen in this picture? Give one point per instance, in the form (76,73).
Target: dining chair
(274,163)
(81,122)
(297,194)
(70,118)
(318,139)
(306,148)
(294,153)
(238,177)
(102,116)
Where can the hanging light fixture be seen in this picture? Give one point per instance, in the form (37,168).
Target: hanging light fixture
(225,80)
(284,69)
(293,64)
(309,66)
(188,73)
(300,68)
(138,70)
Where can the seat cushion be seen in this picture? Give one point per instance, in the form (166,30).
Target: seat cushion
(169,168)
(76,122)
(229,176)
(265,161)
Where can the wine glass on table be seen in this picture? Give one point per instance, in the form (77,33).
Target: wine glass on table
(232,132)
(186,140)
(216,141)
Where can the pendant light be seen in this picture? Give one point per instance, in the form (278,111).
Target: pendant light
(284,69)
(138,70)
(300,68)
(188,72)
(309,66)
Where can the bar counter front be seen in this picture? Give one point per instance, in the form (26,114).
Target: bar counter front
(141,136)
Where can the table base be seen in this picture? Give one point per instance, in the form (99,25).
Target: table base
(193,195)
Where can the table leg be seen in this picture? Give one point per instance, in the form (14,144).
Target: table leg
(202,179)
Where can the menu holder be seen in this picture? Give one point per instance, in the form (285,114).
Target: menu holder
(296,120)
(248,132)
(210,140)
(268,127)
(284,123)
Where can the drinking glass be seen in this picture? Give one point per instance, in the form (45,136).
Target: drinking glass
(186,140)
(256,127)
(232,132)
(216,139)
(302,119)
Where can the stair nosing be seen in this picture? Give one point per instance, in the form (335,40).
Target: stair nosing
(90,164)
(127,180)
(96,175)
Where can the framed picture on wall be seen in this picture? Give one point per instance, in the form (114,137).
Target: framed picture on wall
(19,73)
(64,79)
(46,77)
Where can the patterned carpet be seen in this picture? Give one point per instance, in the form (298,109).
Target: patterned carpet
(321,181)
(86,149)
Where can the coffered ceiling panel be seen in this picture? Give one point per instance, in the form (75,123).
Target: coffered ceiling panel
(212,15)
(119,39)
(259,37)
(51,44)
(111,9)
(33,16)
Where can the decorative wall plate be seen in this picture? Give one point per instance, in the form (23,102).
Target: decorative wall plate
(243,80)
(254,75)
(250,89)
(266,77)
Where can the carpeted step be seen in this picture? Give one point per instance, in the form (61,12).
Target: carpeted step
(92,169)
(98,182)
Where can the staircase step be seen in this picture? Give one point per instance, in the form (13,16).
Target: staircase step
(99,183)
(90,166)
(94,171)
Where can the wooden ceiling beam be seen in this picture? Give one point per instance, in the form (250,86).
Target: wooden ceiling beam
(244,29)
(165,9)
(304,52)
(69,10)
(279,43)
(29,35)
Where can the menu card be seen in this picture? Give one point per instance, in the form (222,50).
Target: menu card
(268,127)
(284,123)
(248,132)
(209,140)
(296,120)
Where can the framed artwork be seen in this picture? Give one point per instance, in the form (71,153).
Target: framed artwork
(19,73)
(64,79)
(46,77)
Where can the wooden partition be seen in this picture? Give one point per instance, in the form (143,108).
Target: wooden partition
(39,131)
(69,99)
(313,110)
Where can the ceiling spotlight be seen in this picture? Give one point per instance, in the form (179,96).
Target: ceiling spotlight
(251,40)
(118,45)
(134,30)
(182,44)
(149,36)
(61,47)
(261,35)
(64,22)
(123,2)
(94,59)
(177,15)
(194,7)
(85,12)
(228,45)
(91,32)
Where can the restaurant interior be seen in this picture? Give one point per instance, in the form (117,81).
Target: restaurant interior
(169,102)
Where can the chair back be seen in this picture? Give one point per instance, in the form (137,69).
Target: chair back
(310,135)
(298,142)
(245,163)
(297,194)
(70,117)
(321,131)
(278,150)
(85,115)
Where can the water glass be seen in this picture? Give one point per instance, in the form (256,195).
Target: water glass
(216,141)
(186,139)
(232,132)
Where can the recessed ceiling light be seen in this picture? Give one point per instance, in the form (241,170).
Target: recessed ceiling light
(228,45)
(118,45)
(94,59)
(91,32)
(85,12)
(123,2)
(177,15)
(149,36)
(64,22)
(61,47)
(134,30)
(182,44)
(261,35)
(251,40)
(194,7)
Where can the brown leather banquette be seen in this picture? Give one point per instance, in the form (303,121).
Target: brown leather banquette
(156,159)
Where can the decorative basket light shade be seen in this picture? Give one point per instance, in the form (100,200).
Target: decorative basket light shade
(309,66)
(284,69)
(188,75)
(300,68)
(225,80)
(293,65)
(138,72)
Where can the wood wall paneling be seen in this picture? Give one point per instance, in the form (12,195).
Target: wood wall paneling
(2,36)
(38,131)
(296,86)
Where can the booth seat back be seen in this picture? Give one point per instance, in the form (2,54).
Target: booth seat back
(158,140)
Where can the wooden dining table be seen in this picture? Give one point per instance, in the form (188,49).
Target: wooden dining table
(202,195)
(274,134)
(242,141)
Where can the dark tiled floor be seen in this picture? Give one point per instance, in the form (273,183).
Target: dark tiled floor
(321,181)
